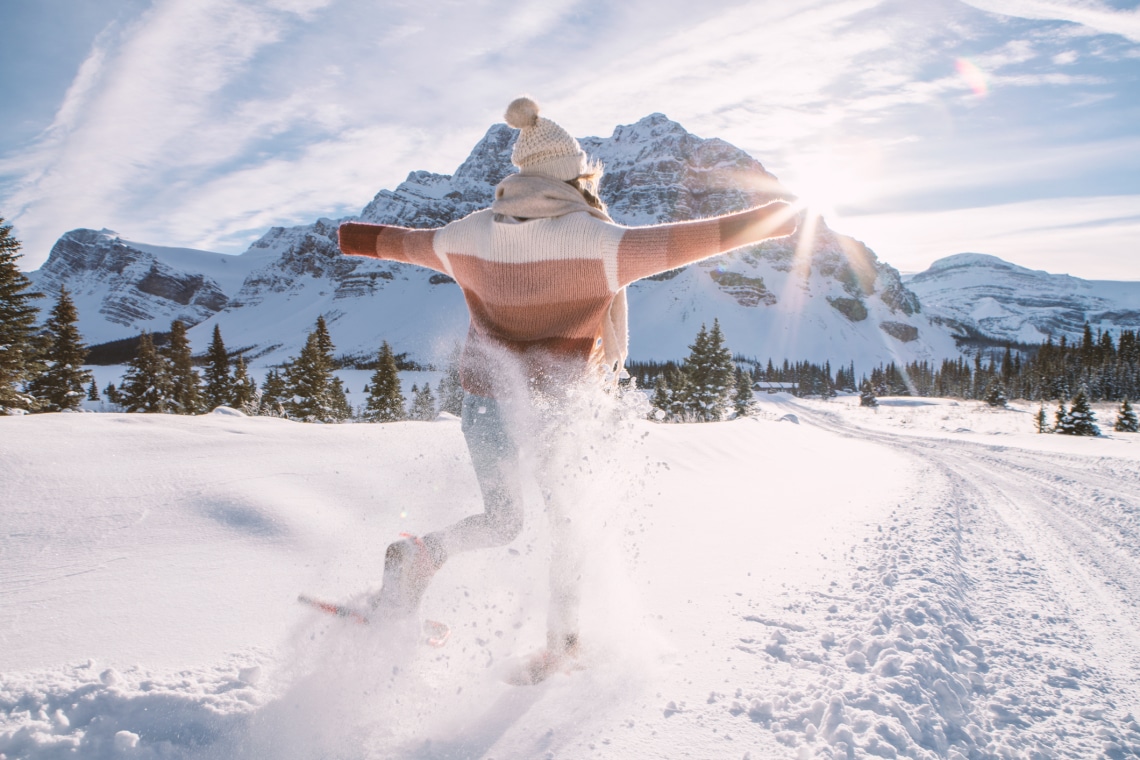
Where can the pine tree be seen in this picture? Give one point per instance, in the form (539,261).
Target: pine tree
(423,403)
(709,371)
(1042,420)
(1061,422)
(245,394)
(867,395)
(680,389)
(1084,421)
(220,386)
(114,398)
(60,386)
(662,398)
(185,383)
(147,386)
(273,392)
(17,326)
(385,401)
(742,398)
(93,391)
(450,386)
(995,394)
(313,393)
(1126,421)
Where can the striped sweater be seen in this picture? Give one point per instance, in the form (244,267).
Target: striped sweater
(540,290)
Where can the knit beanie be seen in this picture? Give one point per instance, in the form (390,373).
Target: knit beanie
(543,148)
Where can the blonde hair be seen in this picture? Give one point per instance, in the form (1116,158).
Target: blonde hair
(588,184)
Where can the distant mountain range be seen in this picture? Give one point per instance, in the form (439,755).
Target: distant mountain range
(817,296)
(988,298)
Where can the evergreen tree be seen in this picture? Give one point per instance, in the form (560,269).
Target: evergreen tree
(680,389)
(93,391)
(185,383)
(709,374)
(1126,421)
(17,325)
(313,393)
(386,403)
(1080,419)
(662,398)
(113,396)
(742,398)
(1042,420)
(1061,422)
(60,386)
(450,387)
(245,395)
(272,395)
(220,385)
(995,394)
(1081,413)
(423,403)
(867,395)
(147,386)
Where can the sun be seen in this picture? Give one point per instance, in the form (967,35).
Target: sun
(825,181)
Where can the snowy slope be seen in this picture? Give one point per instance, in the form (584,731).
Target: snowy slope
(999,300)
(956,587)
(820,296)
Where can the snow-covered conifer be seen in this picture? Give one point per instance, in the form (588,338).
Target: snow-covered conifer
(386,403)
(661,398)
(313,394)
(1061,422)
(1079,420)
(1042,420)
(867,395)
(245,393)
(1126,421)
(220,387)
(742,398)
(995,394)
(272,395)
(709,374)
(450,387)
(17,325)
(185,382)
(59,386)
(423,403)
(146,385)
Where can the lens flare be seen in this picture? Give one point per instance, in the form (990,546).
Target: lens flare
(973,76)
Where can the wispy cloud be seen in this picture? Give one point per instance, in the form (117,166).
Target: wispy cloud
(205,121)
(1091,13)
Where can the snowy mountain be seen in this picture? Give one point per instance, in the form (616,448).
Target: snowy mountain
(820,296)
(986,296)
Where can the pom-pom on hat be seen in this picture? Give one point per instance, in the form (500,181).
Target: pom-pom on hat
(543,148)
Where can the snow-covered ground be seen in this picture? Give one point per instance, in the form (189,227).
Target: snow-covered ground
(928,579)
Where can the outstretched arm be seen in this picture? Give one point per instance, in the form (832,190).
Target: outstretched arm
(382,241)
(646,251)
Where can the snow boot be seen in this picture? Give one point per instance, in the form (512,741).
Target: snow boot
(559,656)
(409,565)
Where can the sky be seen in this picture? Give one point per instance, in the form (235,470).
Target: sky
(1008,127)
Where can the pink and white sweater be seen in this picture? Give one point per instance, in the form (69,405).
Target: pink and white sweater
(540,289)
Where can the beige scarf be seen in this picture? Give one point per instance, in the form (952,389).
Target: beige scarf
(533,197)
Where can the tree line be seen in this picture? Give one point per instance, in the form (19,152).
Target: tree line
(42,369)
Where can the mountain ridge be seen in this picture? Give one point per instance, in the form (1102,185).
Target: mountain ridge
(819,296)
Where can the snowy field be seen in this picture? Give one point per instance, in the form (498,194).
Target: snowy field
(929,579)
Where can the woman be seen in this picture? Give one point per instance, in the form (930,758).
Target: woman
(543,271)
